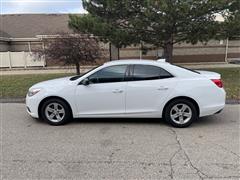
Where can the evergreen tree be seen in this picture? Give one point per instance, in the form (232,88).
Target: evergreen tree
(161,23)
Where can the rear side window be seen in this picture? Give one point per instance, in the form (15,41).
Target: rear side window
(109,74)
(148,72)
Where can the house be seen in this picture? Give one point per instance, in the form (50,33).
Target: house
(20,33)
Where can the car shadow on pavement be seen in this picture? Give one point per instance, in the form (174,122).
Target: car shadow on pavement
(203,121)
(212,120)
(120,120)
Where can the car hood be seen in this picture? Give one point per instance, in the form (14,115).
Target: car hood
(54,83)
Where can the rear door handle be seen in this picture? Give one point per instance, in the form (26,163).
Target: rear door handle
(161,88)
(117,91)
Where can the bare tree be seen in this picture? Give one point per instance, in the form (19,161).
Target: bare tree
(71,49)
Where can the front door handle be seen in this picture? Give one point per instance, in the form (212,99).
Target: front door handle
(117,91)
(161,88)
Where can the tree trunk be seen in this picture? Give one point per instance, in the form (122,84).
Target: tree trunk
(168,52)
(114,52)
(77,68)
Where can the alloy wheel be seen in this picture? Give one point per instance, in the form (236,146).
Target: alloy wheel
(181,113)
(54,112)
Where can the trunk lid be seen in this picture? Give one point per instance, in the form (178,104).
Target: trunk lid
(209,74)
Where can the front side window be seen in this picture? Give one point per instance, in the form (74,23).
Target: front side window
(109,74)
(149,72)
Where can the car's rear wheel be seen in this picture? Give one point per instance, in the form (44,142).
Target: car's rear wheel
(180,113)
(55,112)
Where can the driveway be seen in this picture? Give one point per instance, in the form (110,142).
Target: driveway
(119,149)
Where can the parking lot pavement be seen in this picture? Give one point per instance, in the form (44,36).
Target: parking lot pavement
(119,149)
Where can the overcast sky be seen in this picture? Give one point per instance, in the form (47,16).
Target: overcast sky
(45,6)
(41,6)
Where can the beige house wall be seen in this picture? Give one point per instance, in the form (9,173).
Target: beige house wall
(4,46)
(25,46)
(213,51)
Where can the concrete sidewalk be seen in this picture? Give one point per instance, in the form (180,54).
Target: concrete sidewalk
(71,69)
(37,71)
(210,65)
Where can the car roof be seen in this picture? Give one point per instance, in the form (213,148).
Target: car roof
(134,61)
(175,70)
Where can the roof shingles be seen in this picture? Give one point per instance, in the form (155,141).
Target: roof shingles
(30,25)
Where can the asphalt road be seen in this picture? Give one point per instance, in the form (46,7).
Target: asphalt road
(119,149)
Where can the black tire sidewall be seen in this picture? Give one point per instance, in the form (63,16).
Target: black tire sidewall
(66,118)
(180,101)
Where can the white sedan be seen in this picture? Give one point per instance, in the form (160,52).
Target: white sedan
(129,88)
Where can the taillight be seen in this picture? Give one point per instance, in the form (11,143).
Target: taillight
(218,82)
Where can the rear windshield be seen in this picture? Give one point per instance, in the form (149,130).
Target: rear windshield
(186,68)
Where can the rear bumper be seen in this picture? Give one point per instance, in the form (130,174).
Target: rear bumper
(213,103)
(210,110)
(219,111)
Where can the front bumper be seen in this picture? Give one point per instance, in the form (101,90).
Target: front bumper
(32,104)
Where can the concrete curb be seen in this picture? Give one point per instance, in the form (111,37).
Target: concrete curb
(233,101)
(12,100)
(22,100)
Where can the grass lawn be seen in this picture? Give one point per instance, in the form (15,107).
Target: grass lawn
(14,86)
(17,85)
(231,81)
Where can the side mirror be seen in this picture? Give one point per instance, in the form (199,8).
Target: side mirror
(85,82)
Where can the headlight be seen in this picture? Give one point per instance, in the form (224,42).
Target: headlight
(33,92)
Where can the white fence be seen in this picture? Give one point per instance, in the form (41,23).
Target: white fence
(19,59)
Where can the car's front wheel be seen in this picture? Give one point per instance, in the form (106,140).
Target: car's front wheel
(180,113)
(55,112)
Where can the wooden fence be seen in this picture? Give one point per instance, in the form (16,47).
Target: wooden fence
(20,59)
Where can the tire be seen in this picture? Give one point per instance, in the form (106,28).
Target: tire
(180,113)
(55,112)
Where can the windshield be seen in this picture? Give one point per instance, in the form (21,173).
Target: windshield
(78,76)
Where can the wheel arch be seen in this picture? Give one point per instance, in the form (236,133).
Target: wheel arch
(53,97)
(182,97)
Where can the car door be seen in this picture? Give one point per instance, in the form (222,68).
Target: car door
(105,95)
(148,87)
